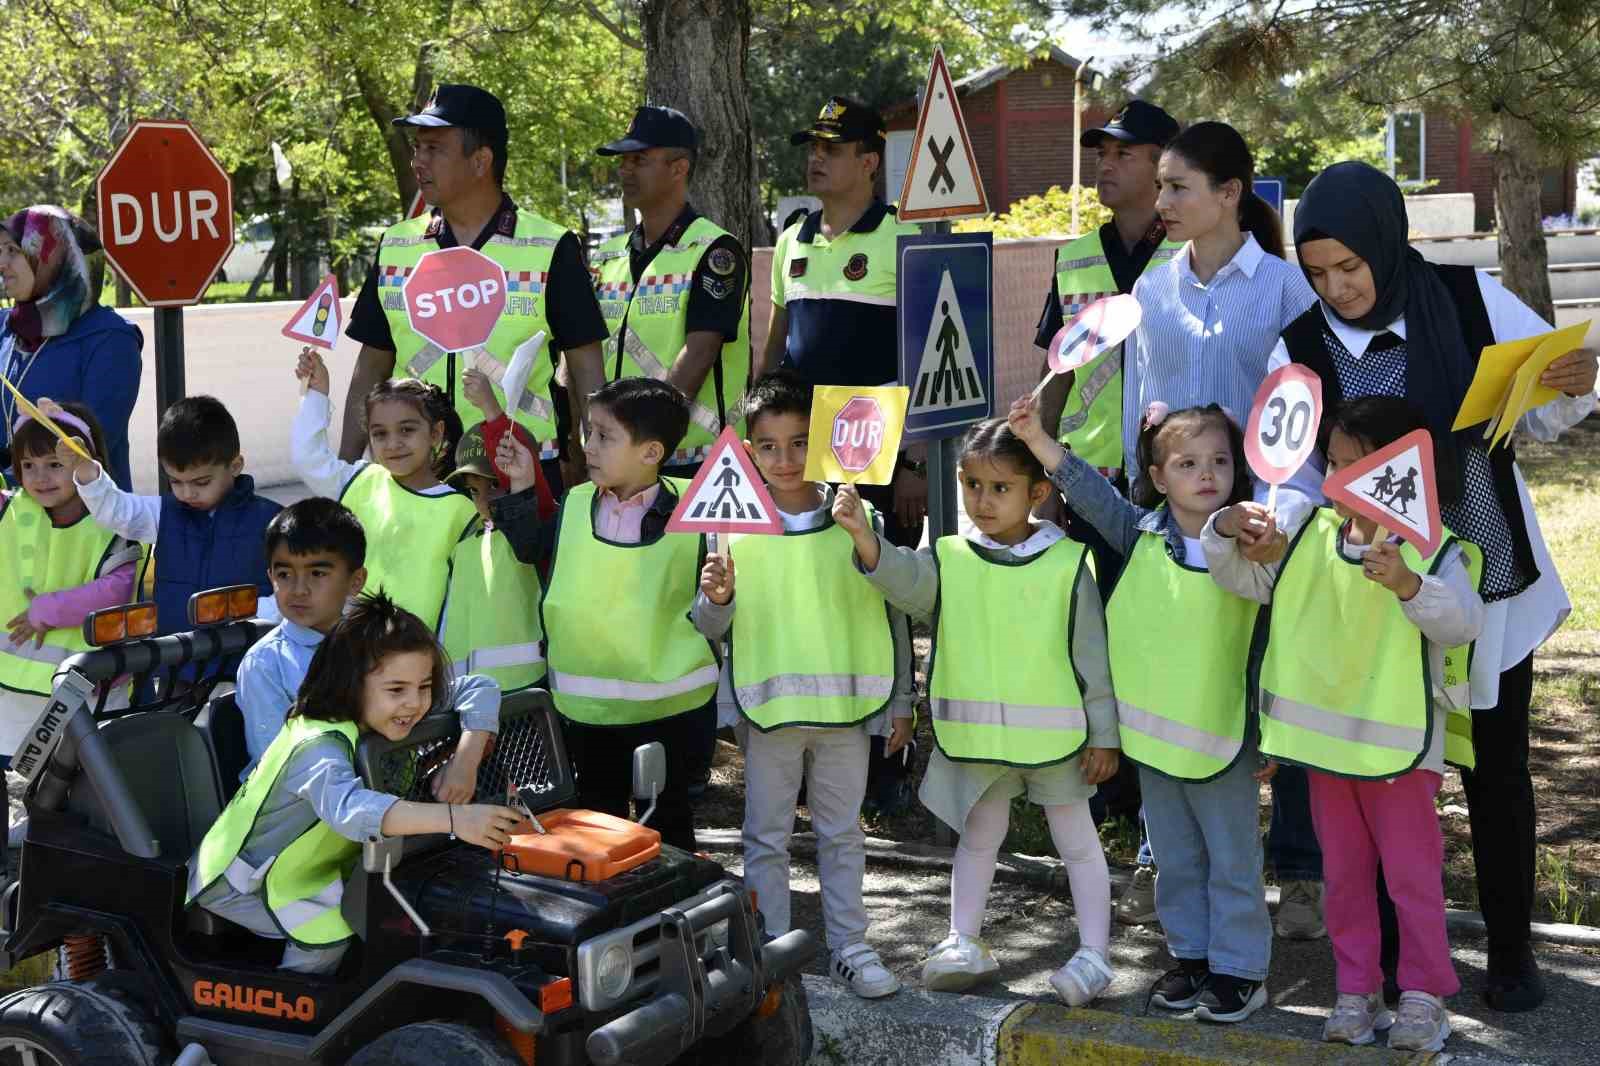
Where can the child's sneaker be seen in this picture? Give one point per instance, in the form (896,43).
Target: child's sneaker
(1082,979)
(1300,911)
(1230,999)
(1421,1023)
(1179,989)
(1137,904)
(859,969)
(1355,1017)
(957,963)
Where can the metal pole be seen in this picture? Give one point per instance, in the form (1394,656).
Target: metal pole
(941,464)
(169,365)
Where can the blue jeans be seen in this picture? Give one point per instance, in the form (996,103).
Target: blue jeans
(1292,848)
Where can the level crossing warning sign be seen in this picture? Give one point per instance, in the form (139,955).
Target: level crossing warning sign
(946,331)
(942,179)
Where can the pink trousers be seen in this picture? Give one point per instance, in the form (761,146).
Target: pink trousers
(1361,824)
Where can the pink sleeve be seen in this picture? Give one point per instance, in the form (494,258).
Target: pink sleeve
(68,608)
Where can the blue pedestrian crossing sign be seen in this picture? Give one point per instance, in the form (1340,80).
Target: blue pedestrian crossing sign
(945,299)
(1270,190)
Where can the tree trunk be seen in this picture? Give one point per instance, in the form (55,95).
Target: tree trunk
(395,141)
(1524,258)
(696,54)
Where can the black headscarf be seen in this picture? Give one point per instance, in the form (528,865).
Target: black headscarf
(1362,208)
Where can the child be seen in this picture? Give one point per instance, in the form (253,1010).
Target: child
(1020,686)
(58,568)
(626,664)
(491,622)
(412,518)
(276,858)
(816,657)
(206,530)
(1184,723)
(1352,687)
(316,550)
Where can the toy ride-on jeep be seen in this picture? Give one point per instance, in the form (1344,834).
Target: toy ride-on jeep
(600,953)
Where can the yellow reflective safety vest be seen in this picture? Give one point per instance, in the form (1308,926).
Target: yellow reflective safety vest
(1005,690)
(1091,421)
(491,624)
(1458,746)
(811,642)
(526,256)
(647,324)
(303,886)
(36,555)
(410,538)
(620,645)
(1186,718)
(1346,674)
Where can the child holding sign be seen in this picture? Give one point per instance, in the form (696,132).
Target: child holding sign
(1185,724)
(1021,694)
(413,520)
(1352,687)
(817,658)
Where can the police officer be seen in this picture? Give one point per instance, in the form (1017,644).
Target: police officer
(675,291)
(833,288)
(459,157)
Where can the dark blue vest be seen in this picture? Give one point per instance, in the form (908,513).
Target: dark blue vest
(197,551)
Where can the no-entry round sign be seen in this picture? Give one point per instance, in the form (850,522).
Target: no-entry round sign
(454,297)
(858,434)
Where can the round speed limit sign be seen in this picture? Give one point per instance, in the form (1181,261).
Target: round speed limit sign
(1282,430)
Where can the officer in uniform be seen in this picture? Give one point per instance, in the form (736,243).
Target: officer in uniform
(675,291)
(459,158)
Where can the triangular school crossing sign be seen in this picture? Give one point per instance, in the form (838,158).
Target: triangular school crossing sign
(727,495)
(1395,487)
(942,179)
(318,320)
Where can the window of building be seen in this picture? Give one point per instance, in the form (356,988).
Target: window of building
(1407,144)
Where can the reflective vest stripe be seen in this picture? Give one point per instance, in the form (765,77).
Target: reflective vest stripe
(1011,715)
(846,297)
(505,655)
(240,875)
(1178,734)
(47,653)
(699,413)
(299,913)
(1094,383)
(605,688)
(829,686)
(1344,727)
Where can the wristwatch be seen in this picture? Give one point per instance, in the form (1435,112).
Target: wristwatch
(918,468)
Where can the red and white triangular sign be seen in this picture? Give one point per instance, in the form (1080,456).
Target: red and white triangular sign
(319,318)
(1395,487)
(942,179)
(727,495)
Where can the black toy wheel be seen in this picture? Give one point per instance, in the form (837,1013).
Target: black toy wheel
(432,1044)
(83,1024)
(782,1038)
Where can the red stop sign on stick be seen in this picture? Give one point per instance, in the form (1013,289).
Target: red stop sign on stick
(166,212)
(454,297)
(858,434)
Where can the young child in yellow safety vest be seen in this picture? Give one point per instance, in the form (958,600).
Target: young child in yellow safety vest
(818,664)
(1180,665)
(413,520)
(1020,688)
(58,568)
(1355,686)
(276,858)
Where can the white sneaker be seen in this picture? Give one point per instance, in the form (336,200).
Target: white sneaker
(1421,1023)
(859,969)
(1355,1017)
(956,963)
(17,830)
(1082,979)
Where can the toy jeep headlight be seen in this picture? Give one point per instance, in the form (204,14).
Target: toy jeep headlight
(614,970)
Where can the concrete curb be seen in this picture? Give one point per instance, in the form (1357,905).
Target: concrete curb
(1048,873)
(909,1028)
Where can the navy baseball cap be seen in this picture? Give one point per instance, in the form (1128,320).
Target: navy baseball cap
(842,120)
(463,106)
(655,127)
(1137,123)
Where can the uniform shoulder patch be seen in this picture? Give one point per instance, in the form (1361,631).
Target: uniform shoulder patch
(797,267)
(856,268)
(721,261)
(717,290)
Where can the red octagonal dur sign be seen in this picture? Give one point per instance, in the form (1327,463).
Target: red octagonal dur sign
(858,433)
(166,212)
(454,297)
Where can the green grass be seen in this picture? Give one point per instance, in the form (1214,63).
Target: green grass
(220,292)
(1561,479)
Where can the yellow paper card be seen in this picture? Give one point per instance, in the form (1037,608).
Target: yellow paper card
(26,407)
(1495,384)
(855,433)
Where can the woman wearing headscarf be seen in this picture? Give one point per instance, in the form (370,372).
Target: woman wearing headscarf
(1390,323)
(56,340)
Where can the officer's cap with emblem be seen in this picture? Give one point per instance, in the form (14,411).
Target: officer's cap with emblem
(1138,122)
(655,127)
(462,106)
(843,120)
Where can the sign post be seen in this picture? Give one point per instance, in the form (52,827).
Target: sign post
(166,222)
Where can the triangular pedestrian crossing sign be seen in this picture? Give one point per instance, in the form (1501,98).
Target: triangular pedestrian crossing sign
(1395,487)
(727,495)
(319,318)
(947,376)
(942,179)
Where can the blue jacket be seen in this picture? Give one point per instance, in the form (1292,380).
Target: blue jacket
(196,551)
(97,362)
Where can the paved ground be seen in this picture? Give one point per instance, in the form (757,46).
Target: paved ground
(1032,933)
